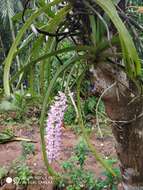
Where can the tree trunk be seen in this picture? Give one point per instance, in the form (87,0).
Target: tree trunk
(125,108)
(128,133)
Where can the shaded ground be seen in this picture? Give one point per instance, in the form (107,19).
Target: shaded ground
(10,151)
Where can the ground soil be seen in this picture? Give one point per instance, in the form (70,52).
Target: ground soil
(12,150)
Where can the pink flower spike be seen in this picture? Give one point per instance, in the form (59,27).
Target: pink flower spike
(54,124)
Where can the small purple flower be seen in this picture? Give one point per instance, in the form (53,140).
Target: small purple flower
(54,124)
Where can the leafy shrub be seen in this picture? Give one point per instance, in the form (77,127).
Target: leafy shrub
(76,177)
(90,104)
(81,152)
(70,115)
(3,172)
(23,174)
(27,149)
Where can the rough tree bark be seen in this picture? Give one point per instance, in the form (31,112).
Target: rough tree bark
(125,107)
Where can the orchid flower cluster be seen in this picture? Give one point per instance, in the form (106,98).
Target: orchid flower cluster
(54,126)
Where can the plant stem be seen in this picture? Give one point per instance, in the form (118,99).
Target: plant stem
(43,113)
(81,124)
(13,35)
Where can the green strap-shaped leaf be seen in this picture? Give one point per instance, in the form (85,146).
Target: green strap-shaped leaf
(132,62)
(13,48)
(47,55)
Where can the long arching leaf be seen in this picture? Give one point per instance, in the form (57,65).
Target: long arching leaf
(47,55)
(132,62)
(17,41)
